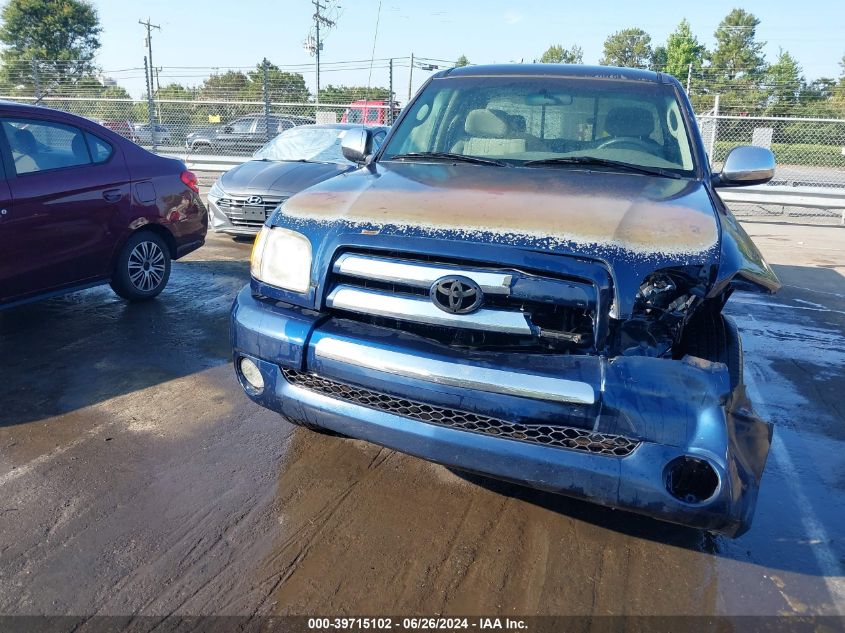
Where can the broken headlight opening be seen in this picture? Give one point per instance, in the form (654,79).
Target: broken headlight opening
(665,302)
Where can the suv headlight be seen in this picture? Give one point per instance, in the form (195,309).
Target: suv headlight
(282,258)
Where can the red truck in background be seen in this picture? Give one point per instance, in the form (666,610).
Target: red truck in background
(371,112)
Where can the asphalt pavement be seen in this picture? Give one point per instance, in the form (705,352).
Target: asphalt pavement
(136,478)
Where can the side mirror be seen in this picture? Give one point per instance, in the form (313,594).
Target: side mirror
(228,129)
(357,144)
(746,165)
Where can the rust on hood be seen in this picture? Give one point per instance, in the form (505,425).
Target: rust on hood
(641,214)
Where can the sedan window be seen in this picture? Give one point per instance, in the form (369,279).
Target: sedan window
(45,145)
(101,151)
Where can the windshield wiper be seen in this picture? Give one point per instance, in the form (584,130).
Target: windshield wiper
(600,162)
(449,156)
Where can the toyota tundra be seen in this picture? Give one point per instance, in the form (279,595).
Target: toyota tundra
(525,280)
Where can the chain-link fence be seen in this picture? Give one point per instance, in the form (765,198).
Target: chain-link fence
(231,128)
(809,152)
(234,111)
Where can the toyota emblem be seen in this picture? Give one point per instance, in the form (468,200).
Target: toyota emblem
(456,294)
(256,200)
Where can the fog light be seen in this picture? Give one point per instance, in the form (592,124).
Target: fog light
(691,480)
(251,373)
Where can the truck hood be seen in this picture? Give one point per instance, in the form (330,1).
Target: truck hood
(559,209)
(630,225)
(262,177)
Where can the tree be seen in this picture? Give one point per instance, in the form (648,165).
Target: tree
(683,49)
(342,95)
(223,87)
(737,52)
(283,86)
(176,115)
(737,65)
(48,42)
(106,109)
(785,83)
(461,61)
(557,54)
(817,98)
(842,74)
(630,48)
(659,57)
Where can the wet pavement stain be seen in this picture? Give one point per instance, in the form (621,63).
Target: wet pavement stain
(135,477)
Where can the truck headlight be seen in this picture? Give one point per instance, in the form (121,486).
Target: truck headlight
(282,258)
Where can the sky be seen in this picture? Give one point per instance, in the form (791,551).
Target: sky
(196,35)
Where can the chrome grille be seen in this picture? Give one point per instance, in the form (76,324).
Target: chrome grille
(555,436)
(518,308)
(233,207)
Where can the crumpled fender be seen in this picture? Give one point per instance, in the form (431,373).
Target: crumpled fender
(741,265)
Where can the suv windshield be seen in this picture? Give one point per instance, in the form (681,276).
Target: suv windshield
(518,120)
(318,144)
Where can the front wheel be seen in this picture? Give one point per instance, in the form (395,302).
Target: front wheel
(143,267)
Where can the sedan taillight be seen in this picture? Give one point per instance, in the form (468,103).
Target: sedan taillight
(190,180)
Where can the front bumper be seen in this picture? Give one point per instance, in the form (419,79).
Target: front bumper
(668,410)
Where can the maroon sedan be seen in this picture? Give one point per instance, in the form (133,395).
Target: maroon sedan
(80,205)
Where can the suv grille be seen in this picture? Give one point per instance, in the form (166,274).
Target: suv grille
(554,436)
(234,208)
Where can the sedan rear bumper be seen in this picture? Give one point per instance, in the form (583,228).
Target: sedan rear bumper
(622,433)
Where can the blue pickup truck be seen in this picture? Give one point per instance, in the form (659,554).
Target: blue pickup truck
(525,280)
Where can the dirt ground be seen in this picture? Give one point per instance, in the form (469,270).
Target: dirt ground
(136,478)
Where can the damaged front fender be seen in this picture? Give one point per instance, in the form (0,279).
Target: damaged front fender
(741,265)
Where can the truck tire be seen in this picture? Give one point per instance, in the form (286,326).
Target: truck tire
(142,268)
(713,336)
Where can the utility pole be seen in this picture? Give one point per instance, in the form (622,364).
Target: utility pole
(158,87)
(319,20)
(149,69)
(266,68)
(150,104)
(34,65)
(689,76)
(410,77)
(389,114)
(713,132)
(149,42)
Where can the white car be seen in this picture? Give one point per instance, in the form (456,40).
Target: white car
(142,133)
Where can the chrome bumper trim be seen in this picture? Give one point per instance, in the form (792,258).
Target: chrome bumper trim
(417,274)
(534,386)
(406,308)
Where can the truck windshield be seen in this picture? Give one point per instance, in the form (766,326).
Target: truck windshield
(542,121)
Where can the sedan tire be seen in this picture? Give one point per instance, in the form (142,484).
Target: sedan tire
(143,267)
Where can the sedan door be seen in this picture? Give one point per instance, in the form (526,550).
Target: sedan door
(68,190)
